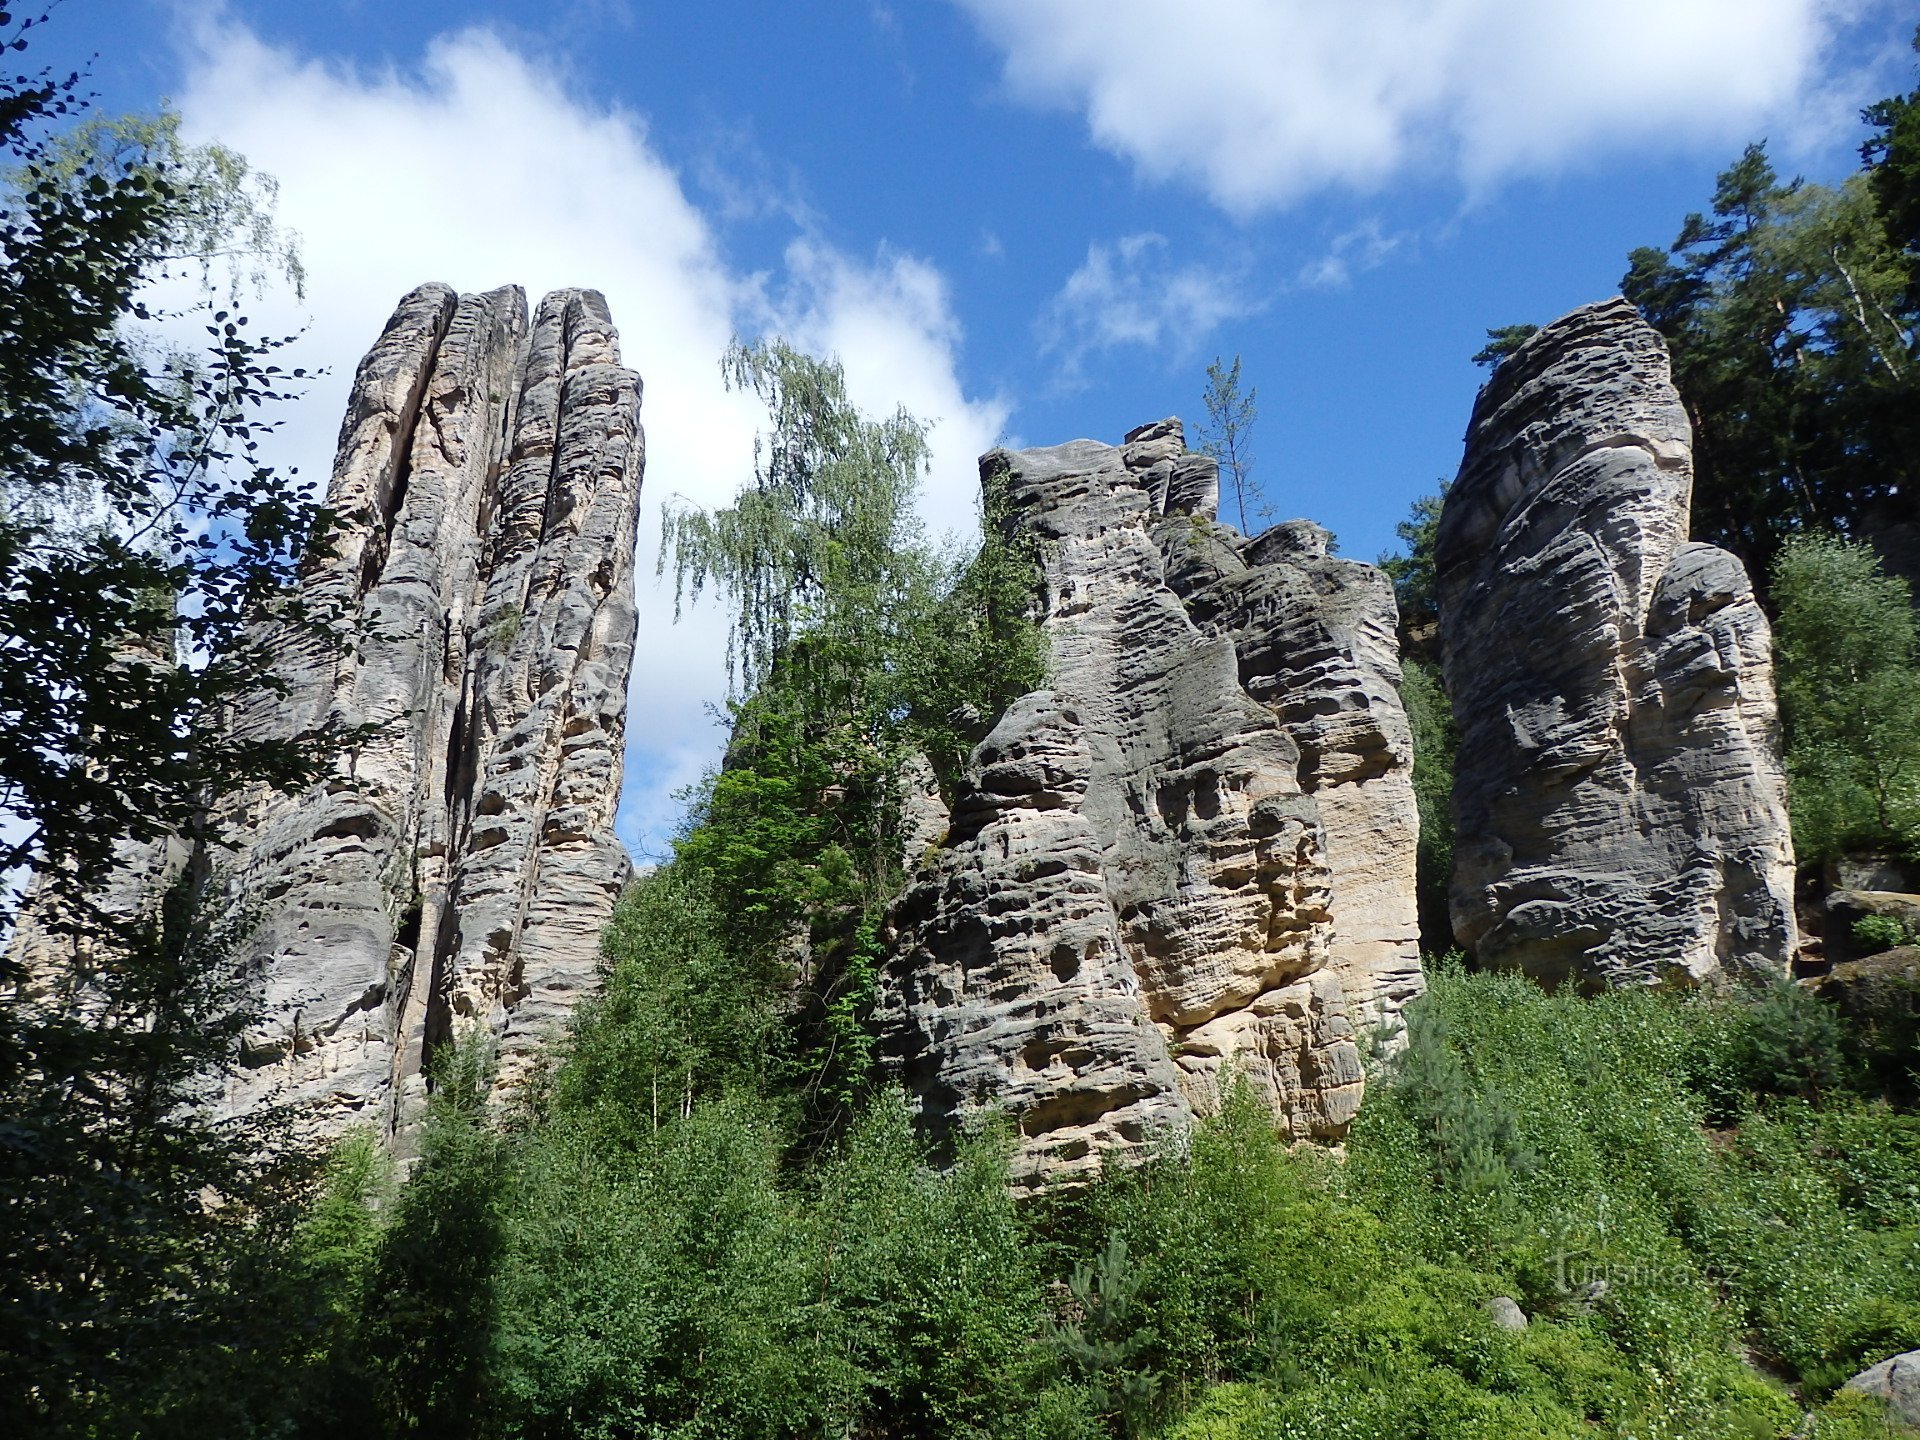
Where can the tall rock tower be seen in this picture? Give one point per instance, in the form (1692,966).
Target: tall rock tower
(454,872)
(1619,793)
(1190,859)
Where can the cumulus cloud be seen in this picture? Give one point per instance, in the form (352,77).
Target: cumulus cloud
(1130,293)
(478,168)
(1261,102)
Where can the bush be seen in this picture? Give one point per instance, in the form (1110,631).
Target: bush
(1877,933)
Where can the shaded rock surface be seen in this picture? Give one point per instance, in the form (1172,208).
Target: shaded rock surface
(1137,892)
(455,871)
(1876,990)
(1619,795)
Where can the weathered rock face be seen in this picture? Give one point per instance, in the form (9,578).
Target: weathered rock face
(1619,795)
(456,870)
(1137,890)
(1316,638)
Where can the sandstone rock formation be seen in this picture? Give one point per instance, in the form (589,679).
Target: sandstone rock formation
(1316,639)
(1619,796)
(1137,890)
(456,869)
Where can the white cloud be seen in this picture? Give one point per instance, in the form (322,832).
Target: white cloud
(1352,252)
(479,169)
(1261,102)
(1129,293)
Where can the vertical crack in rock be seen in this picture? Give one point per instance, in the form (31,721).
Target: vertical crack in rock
(455,871)
(1136,894)
(1619,793)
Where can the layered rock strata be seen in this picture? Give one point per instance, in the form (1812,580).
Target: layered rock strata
(1137,894)
(1619,794)
(454,871)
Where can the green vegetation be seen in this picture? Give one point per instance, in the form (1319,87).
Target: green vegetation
(1884,932)
(863,650)
(1502,341)
(140,539)
(1792,312)
(1429,712)
(1227,435)
(1848,672)
(1794,348)
(1430,717)
(1706,1244)
(707,1218)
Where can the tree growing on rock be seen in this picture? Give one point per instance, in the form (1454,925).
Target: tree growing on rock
(1227,435)
(856,648)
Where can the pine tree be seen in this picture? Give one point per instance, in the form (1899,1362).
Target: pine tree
(1228,435)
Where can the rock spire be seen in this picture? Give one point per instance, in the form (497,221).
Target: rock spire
(1620,798)
(454,873)
(1140,890)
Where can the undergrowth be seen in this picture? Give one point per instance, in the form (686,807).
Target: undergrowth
(1706,1245)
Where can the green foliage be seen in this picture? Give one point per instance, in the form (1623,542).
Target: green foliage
(594,1271)
(1848,671)
(862,651)
(221,211)
(1414,584)
(1786,1041)
(137,525)
(976,648)
(1875,933)
(141,539)
(1502,341)
(121,1200)
(818,541)
(1227,435)
(682,1016)
(427,1333)
(1476,1140)
(1892,157)
(1429,712)
(1435,742)
(1102,1341)
(1792,330)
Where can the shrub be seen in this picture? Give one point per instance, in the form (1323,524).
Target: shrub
(1875,933)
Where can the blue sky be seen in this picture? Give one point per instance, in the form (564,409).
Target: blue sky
(1029,220)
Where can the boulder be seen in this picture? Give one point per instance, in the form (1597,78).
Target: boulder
(1506,1312)
(1895,1381)
(1844,909)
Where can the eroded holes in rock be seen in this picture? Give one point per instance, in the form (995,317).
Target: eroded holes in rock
(1074,1109)
(1064,961)
(1170,799)
(1206,795)
(407,935)
(355,825)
